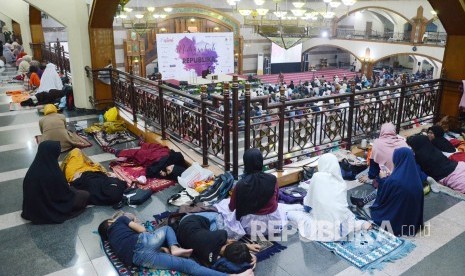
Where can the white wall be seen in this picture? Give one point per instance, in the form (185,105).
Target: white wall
(74,15)
(7,21)
(18,10)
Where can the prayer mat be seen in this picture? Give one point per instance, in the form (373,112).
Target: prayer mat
(124,270)
(130,172)
(370,250)
(83,140)
(111,139)
(267,248)
(18,98)
(14,92)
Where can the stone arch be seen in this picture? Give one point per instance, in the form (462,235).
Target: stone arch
(408,54)
(373,7)
(334,46)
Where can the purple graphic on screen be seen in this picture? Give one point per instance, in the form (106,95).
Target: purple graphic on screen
(200,57)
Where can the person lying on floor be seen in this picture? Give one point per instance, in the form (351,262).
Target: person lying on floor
(326,204)
(169,167)
(212,248)
(400,199)
(146,155)
(47,197)
(53,127)
(255,197)
(133,245)
(44,97)
(84,174)
(435,164)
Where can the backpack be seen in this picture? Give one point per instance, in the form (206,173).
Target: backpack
(218,191)
(291,195)
(136,196)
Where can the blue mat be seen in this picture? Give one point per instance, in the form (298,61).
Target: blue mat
(371,250)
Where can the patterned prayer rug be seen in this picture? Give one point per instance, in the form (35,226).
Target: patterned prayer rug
(124,270)
(371,250)
(110,139)
(83,140)
(130,172)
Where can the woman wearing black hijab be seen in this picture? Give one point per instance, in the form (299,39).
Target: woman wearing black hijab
(47,197)
(256,194)
(169,167)
(437,165)
(436,136)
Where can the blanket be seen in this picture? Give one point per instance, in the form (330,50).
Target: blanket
(124,270)
(129,172)
(371,250)
(109,139)
(86,142)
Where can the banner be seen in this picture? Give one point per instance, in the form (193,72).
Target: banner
(184,56)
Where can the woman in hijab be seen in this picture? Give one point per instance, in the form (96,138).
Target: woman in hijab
(437,165)
(50,79)
(24,65)
(84,174)
(53,127)
(169,167)
(47,197)
(436,136)
(400,196)
(383,148)
(255,196)
(327,200)
(8,54)
(34,79)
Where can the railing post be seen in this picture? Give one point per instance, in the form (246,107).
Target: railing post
(235,130)
(247,117)
(400,110)
(350,119)
(161,106)
(282,116)
(132,90)
(226,133)
(203,97)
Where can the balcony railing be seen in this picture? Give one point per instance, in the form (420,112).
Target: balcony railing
(54,54)
(285,128)
(373,35)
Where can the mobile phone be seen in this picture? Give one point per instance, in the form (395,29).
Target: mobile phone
(384,168)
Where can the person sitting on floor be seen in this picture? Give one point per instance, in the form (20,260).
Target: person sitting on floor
(200,232)
(34,79)
(169,167)
(47,197)
(53,127)
(326,204)
(436,136)
(50,79)
(400,196)
(133,245)
(84,174)
(255,196)
(435,164)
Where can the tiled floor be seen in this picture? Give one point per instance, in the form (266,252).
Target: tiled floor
(72,248)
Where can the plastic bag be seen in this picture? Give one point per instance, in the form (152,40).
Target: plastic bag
(111,115)
(194,173)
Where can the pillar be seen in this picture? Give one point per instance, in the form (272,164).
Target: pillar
(452,16)
(37,33)
(102,43)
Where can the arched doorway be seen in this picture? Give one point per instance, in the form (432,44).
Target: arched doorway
(323,56)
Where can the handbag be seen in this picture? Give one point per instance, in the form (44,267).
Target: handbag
(350,171)
(307,172)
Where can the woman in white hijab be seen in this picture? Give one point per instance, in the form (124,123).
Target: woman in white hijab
(329,218)
(50,79)
(24,65)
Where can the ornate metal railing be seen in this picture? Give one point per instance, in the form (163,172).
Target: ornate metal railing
(221,126)
(55,54)
(373,35)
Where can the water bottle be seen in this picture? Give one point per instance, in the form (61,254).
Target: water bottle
(100,119)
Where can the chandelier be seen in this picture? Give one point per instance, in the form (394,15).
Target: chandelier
(140,20)
(290,23)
